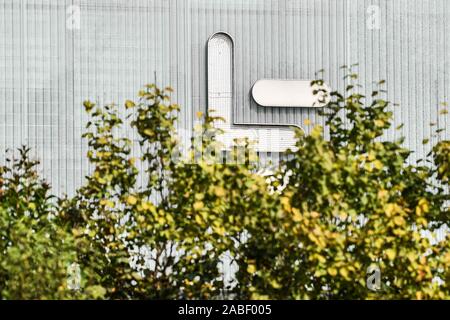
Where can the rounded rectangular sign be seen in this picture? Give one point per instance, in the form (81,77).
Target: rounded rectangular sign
(289,93)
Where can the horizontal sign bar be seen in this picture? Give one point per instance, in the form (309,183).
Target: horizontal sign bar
(289,93)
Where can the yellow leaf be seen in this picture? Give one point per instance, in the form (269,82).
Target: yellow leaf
(447,258)
(314,214)
(198,205)
(32,206)
(423,260)
(390,253)
(391,208)
(161,220)
(332,271)
(316,132)
(107,203)
(307,122)
(169,218)
(275,284)
(219,191)
(286,203)
(313,238)
(422,207)
(148,206)
(136,275)
(132,161)
(199,220)
(343,215)
(321,258)
(379,243)
(188,282)
(102,140)
(297,217)
(219,230)
(251,268)
(411,256)
(379,123)
(131,200)
(382,194)
(199,114)
(319,273)
(149,132)
(88,105)
(399,221)
(76,232)
(378,164)
(129,104)
(257,296)
(343,272)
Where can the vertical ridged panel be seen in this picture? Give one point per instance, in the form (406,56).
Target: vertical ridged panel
(47,70)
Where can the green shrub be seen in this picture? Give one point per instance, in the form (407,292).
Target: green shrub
(343,206)
(352,203)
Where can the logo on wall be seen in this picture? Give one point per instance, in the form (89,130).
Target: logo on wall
(267,93)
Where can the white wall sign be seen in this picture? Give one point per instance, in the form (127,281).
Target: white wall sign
(288,93)
(221,96)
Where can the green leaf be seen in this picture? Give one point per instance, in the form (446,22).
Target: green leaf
(129,104)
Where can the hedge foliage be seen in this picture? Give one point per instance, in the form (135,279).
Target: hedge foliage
(336,208)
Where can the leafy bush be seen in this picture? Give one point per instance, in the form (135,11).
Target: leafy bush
(36,250)
(353,204)
(336,208)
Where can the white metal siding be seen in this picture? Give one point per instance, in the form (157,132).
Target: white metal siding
(47,70)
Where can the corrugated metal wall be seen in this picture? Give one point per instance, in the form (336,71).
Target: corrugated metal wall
(48,69)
